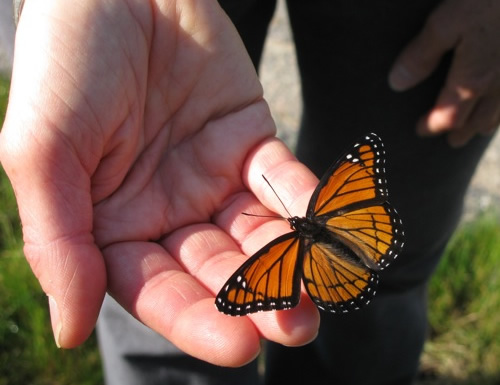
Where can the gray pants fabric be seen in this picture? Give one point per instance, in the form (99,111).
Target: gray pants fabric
(345,49)
(134,354)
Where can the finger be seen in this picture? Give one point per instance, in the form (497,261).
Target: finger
(467,83)
(292,182)
(293,185)
(422,55)
(71,273)
(452,109)
(205,253)
(154,288)
(484,120)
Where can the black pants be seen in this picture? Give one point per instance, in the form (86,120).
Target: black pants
(345,49)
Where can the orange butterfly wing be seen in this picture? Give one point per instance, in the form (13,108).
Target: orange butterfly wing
(374,233)
(364,231)
(351,201)
(269,280)
(350,231)
(357,177)
(334,280)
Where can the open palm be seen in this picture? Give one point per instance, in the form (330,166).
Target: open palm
(134,135)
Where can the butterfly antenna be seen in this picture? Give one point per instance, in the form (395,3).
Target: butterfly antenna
(277,196)
(263,216)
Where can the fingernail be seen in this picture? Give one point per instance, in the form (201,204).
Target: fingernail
(55,319)
(400,79)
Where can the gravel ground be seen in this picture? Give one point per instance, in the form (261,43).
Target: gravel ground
(279,77)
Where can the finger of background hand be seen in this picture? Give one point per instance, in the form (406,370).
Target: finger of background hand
(484,120)
(422,55)
(469,80)
(152,286)
(451,111)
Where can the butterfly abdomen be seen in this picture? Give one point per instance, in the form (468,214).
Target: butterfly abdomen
(315,232)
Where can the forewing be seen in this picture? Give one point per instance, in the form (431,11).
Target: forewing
(269,280)
(356,179)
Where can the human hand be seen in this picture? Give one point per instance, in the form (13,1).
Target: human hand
(469,102)
(134,134)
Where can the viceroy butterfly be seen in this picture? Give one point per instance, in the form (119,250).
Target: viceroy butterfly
(349,233)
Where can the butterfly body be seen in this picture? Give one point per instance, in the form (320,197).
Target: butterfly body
(349,233)
(306,228)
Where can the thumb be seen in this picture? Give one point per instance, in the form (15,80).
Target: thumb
(53,197)
(71,273)
(422,55)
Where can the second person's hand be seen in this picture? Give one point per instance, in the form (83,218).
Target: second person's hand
(469,103)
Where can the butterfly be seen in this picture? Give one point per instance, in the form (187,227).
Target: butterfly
(350,233)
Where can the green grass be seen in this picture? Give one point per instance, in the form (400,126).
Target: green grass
(28,354)
(464,299)
(4,93)
(464,314)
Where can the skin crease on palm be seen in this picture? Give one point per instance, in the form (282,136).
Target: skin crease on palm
(141,134)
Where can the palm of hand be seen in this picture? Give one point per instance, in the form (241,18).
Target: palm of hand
(138,160)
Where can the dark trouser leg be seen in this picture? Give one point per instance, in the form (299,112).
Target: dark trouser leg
(345,50)
(251,18)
